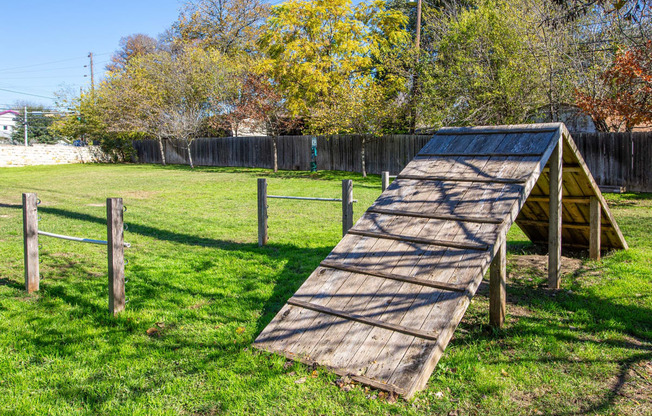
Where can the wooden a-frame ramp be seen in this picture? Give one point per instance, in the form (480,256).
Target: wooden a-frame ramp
(383,305)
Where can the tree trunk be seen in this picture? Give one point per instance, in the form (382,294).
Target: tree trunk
(275,154)
(362,155)
(189,154)
(160,147)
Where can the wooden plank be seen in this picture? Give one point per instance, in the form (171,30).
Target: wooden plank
(427,155)
(545,223)
(444,178)
(513,129)
(443,243)
(567,200)
(595,229)
(30,242)
(498,287)
(262,212)
(407,279)
(555,217)
(115,247)
(417,214)
(362,319)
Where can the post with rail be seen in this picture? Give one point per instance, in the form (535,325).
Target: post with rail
(385,179)
(347,206)
(262,212)
(115,248)
(30,242)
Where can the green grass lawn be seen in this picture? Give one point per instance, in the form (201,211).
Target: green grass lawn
(200,290)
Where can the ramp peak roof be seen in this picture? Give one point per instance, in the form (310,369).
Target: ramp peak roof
(383,305)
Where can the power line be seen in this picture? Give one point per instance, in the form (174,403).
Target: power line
(49,63)
(26,93)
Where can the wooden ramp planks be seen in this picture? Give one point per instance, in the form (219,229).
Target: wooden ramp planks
(384,303)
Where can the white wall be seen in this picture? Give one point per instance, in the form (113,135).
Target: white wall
(48,154)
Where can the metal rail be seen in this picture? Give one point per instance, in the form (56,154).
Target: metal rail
(306,198)
(78,239)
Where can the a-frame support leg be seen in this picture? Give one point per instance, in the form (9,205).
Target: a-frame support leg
(595,231)
(498,286)
(554,225)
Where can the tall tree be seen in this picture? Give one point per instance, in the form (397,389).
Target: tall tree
(625,100)
(481,72)
(39,119)
(317,49)
(130,47)
(230,26)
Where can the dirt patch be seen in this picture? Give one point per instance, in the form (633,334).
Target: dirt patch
(538,265)
(138,194)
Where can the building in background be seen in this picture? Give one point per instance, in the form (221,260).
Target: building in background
(7,123)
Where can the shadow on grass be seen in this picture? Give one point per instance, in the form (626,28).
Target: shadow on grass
(598,316)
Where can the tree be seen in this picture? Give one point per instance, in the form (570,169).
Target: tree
(39,120)
(625,100)
(130,47)
(331,62)
(165,94)
(87,122)
(229,26)
(481,72)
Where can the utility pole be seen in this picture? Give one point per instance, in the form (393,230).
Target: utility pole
(25,122)
(90,55)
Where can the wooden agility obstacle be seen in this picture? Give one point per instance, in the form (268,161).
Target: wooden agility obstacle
(382,307)
(115,248)
(346,200)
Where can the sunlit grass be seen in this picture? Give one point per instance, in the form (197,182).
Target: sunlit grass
(200,290)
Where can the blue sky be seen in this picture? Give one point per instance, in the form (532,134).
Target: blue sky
(45,44)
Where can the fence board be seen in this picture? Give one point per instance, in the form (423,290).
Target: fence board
(615,159)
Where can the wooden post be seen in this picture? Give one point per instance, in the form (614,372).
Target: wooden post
(498,287)
(262,212)
(385,179)
(30,242)
(554,215)
(115,248)
(596,228)
(347,206)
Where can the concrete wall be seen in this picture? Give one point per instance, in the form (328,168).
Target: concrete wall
(48,154)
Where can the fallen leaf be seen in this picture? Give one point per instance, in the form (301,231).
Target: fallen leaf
(287,364)
(504,373)
(293,373)
(314,373)
(160,324)
(240,330)
(152,332)
(300,380)
(439,395)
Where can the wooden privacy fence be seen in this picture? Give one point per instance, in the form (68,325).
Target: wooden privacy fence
(615,159)
(115,247)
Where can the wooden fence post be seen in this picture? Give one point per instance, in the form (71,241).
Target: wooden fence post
(30,242)
(347,206)
(498,287)
(115,248)
(385,179)
(262,212)
(595,211)
(554,215)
